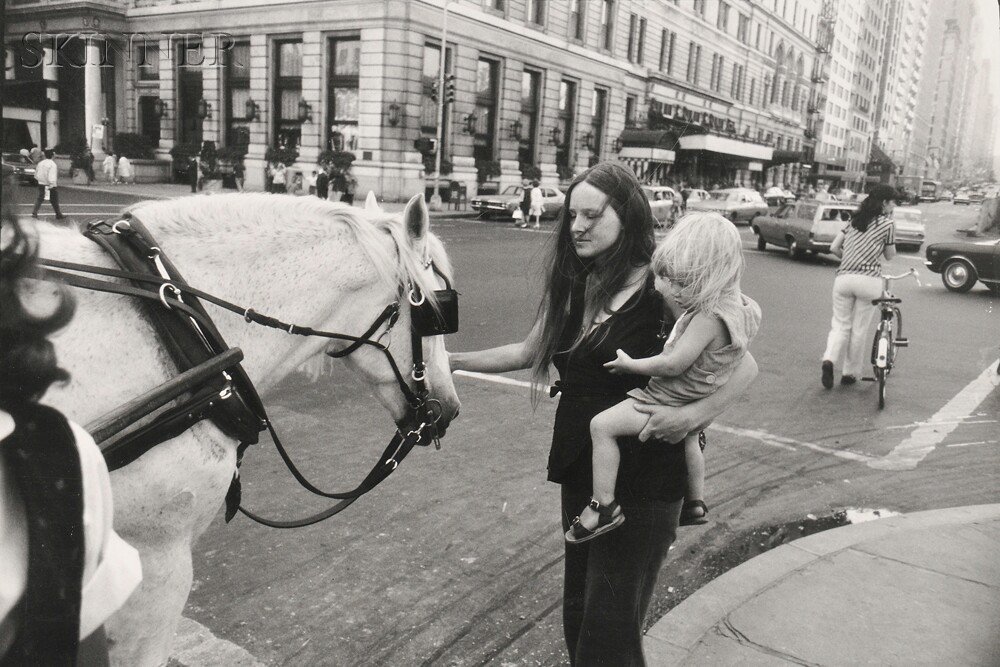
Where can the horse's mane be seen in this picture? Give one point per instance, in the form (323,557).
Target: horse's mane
(305,218)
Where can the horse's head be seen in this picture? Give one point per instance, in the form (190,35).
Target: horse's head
(424,269)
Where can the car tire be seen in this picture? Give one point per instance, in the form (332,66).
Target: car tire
(761,243)
(958,275)
(733,217)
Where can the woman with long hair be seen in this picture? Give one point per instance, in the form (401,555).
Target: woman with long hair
(65,571)
(600,297)
(862,246)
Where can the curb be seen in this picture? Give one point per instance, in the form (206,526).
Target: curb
(679,632)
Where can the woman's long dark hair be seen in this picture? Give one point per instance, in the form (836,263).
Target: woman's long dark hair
(871,207)
(602,280)
(28,363)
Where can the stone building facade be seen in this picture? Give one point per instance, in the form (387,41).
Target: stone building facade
(708,91)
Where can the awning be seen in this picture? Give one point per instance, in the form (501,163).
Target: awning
(726,146)
(877,155)
(648,138)
(786,157)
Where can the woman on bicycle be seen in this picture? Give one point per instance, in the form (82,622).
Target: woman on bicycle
(861,245)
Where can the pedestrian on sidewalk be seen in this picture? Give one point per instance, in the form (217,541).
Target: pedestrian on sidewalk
(239,174)
(861,245)
(525,205)
(126,173)
(47,175)
(110,168)
(537,204)
(278,178)
(88,169)
(35,154)
(194,172)
(64,569)
(600,297)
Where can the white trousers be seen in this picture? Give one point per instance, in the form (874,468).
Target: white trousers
(852,313)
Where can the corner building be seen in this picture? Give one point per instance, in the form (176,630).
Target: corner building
(705,91)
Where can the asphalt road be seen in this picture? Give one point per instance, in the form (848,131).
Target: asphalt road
(457,558)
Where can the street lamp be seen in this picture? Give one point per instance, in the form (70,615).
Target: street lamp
(587,140)
(470,123)
(305,112)
(515,130)
(393,113)
(251,109)
(556,136)
(204,109)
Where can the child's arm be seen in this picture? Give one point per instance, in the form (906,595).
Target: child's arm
(700,333)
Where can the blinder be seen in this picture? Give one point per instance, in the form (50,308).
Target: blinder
(428,320)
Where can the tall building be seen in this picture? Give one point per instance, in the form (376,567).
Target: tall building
(898,132)
(855,44)
(706,91)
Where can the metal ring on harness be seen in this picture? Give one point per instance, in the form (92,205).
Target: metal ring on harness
(246,315)
(418,376)
(163,294)
(124,223)
(416,303)
(155,250)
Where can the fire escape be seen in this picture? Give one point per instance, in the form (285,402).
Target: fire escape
(821,64)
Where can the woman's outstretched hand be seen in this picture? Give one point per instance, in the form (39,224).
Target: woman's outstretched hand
(668,424)
(622,363)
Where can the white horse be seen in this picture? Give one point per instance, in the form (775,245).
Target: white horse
(302,260)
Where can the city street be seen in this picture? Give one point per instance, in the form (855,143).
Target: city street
(457,558)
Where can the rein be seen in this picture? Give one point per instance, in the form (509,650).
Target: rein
(169,291)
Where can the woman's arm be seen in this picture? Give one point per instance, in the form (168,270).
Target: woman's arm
(671,424)
(837,247)
(513,357)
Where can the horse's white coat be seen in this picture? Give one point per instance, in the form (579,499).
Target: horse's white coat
(302,260)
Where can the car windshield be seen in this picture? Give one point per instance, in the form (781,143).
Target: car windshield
(512,190)
(722,195)
(837,214)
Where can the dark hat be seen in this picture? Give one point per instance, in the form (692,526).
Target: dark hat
(884,193)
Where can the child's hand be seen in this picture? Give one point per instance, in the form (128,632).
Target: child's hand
(621,364)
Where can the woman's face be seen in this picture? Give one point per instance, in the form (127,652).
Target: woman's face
(594,225)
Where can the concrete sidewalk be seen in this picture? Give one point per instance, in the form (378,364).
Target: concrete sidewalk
(174,190)
(917,589)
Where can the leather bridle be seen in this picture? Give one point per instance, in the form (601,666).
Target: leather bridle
(162,284)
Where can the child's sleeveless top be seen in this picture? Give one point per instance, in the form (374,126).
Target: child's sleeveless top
(712,368)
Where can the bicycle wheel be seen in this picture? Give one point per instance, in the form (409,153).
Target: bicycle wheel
(880,374)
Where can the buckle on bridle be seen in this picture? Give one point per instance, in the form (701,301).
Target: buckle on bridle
(163,294)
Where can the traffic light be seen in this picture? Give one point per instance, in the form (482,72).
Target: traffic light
(449,88)
(432,91)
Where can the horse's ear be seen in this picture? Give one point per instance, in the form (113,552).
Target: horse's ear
(417,220)
(371,203)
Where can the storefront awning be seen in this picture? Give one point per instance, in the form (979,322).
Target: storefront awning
(648,139)
(786,157)
(726,146)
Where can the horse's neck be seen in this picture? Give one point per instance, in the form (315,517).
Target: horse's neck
(328,285)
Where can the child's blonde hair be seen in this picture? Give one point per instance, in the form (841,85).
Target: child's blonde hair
(703,255)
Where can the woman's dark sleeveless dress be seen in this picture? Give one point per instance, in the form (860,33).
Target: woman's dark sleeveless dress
(609,580)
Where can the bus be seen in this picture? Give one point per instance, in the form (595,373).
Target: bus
(930,190)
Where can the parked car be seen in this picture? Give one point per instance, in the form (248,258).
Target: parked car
(661,202)
(946,195)
(909,227)
(734,203)
(807,225)
(962,263)
(961,197)
(23,168)
(976,196)
(695,195)
(505,203)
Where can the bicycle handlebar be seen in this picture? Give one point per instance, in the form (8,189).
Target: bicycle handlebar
(911,272)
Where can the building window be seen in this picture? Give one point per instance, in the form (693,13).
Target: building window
(498,5)
(734,84)
(576,23)
(485,115)
(149,120)
(667,40)
(598,118)
(237,94)
(753,85)
(147,60)
(641,43)
(715,82)
(694,63)
(632,20)
(607,24)
(743,29)
(722,22)
(342,101)
(566,125)
(288,92)
(189,91)
(631,102)
(536,12)
(699,7)
(756,41)
(531,87)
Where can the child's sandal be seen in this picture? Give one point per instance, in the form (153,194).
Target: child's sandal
(607,520)
(694,513)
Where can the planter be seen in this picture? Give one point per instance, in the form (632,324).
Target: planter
(445,189)
(151,171)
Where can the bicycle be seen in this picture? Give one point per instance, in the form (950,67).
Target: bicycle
(888,334)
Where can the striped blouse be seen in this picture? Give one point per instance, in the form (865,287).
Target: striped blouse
(863,250)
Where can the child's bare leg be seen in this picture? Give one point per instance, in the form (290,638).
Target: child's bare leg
(695,467)
(615,422)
